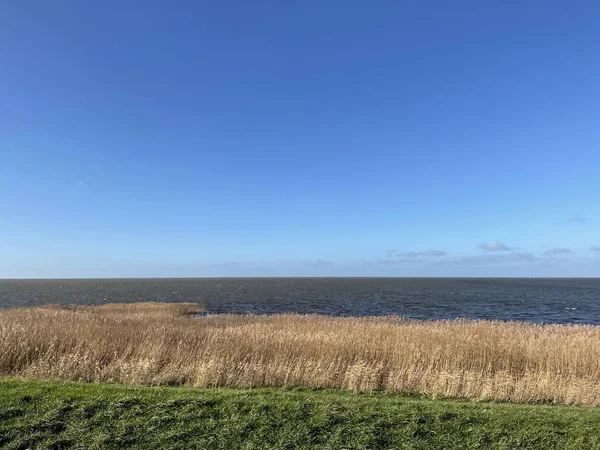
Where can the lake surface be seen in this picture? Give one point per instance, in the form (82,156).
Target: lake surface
(535,300)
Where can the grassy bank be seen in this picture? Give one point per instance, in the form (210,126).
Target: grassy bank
(87,415)
(164,344)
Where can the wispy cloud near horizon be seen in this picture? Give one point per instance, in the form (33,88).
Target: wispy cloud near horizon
(558,252)
(322,262)
(493,258)
(494,246)
(392,262)
(422,253)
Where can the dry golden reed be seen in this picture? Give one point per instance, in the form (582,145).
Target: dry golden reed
(166,344)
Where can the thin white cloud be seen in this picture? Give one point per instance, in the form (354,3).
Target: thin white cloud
(423,253)
(322,262)
(494,258)
(494,246)
(433,253)
(558,252)
(392,262)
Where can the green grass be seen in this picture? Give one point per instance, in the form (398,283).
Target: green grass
(54,415)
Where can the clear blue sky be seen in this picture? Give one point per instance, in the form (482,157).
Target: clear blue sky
(271,137)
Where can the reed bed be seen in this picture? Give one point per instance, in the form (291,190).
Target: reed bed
(168,344)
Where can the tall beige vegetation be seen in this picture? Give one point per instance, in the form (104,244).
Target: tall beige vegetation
(168,344)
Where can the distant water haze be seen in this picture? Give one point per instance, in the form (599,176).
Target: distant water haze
(539,300)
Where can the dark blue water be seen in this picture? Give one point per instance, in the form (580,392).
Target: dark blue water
(535,300)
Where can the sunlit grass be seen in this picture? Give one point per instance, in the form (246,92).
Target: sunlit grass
(57,415)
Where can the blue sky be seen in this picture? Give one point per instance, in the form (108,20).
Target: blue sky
(264,138)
